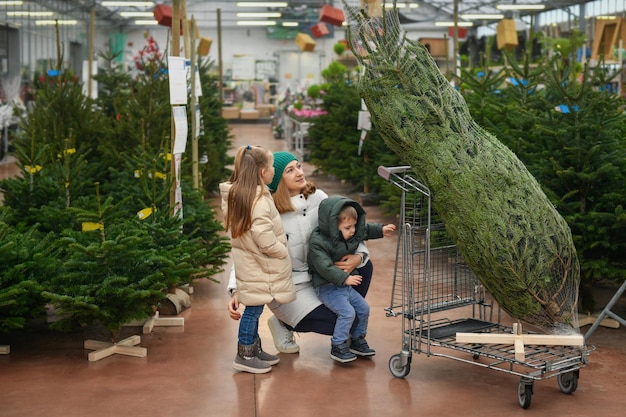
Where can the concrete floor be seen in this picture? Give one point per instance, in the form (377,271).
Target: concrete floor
(187,371)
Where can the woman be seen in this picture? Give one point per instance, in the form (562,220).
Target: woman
(297,202)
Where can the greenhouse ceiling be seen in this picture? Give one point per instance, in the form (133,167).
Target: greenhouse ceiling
(412,12)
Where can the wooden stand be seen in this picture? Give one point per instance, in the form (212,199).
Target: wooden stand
(5,349)
(126,346)
(149,324)
(585,320)
(518,339)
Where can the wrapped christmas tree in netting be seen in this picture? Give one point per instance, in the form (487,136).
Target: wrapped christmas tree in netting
(509,233)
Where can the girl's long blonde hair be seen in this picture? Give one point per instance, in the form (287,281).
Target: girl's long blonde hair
(246,178)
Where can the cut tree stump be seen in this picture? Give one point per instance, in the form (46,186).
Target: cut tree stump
(126,346)
(175,303)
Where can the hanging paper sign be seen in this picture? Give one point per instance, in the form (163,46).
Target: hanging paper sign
(180,123)
(198,120)
(364,122)
(177,79)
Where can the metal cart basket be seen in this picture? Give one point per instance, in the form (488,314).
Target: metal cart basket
(431,279)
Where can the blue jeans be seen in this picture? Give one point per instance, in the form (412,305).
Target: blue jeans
(249,324)
(352,311)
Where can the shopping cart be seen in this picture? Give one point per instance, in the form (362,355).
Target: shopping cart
(432,280)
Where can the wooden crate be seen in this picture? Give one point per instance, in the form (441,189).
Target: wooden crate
(608,34)
(436,46)
(305,42)
(506,35)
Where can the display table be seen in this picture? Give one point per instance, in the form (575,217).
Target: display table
(296,134)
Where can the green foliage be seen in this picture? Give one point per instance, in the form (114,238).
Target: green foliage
(27,258)
(339,48)
(335,139)
(579,157)
(74,153)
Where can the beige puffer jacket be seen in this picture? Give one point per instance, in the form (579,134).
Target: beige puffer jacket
(262,263)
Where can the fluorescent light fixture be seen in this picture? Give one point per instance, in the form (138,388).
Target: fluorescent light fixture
(146,22)
(413,6)
(262,4)
(137,14)
(603,17)
(290,24)
(54,22)
(30,14)
(259,14)
(485,16)
(11,3)
(521,7)
(398,5)
(127,3)
(256,23)
(460,24)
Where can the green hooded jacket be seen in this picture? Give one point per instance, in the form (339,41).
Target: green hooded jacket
(327,244)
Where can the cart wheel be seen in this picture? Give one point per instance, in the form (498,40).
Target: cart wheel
(396,368)
(524,394)
(568,382)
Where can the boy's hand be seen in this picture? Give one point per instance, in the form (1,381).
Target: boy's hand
(388,229)
(353,280)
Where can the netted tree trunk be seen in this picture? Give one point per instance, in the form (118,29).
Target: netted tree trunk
(509,233)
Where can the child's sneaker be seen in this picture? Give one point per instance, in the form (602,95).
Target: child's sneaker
(341,353)
(360,347)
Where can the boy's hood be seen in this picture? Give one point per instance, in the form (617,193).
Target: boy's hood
(329,211)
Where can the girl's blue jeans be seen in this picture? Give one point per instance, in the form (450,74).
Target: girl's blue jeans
(249,324)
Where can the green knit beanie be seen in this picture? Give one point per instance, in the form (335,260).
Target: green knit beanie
(281,159)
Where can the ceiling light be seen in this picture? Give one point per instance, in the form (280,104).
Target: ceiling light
(146,22)
(485,16)
(11,3)
(262,4)
(521,7)
(460,24)
(259,14)
(137,14)
(54,22)
(256,23)
(289,24)
(32,14)
(398,5)
(127,3)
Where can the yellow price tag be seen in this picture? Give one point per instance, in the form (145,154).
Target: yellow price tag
(145,213)
(91,226)
(33,170)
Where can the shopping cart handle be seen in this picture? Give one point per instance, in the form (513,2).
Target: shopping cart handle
(386,172)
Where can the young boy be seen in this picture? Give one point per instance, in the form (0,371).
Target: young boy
(341,228)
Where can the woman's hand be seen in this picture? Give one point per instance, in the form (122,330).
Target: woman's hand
(348,263)
(233,306)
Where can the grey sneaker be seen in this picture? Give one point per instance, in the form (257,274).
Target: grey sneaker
(264,356)
(283,337)
(360,347)
(341,353)
(246,361)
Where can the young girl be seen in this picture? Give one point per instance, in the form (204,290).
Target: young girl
(259,251)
